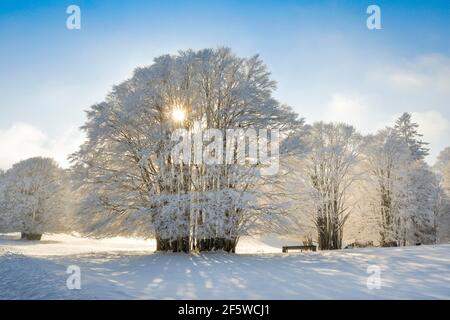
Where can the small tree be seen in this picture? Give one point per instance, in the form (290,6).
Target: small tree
(35,198)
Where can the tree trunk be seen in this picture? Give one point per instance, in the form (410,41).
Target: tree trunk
(389,244)
(213,244)
(179,245)
(31,236)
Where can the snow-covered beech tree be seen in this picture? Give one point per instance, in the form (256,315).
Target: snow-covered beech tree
(403,191)
(387,156)
(332,154)
(417,207)
(35,198)
(421,205)
(442,161)
(134,184)
(407,130)
(362,226)
(3,227)
(446,177)
(291,191)
(441,211)
(324,174)
(446,185)
(442,168)
(421,187)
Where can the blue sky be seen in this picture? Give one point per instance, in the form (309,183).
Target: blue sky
(326,62)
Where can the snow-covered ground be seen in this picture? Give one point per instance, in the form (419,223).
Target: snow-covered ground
(122,268)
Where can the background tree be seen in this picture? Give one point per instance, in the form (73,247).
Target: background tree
(443,172)
(445,216)
(332,155)
(420,187)
(3,226)
(387,156)
(446,177)
(36,198)
(323,174)
(419,211)
(407,130)
(442,161)
(363,224)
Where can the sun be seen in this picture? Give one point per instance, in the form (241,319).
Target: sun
(178,115)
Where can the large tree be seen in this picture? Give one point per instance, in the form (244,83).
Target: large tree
(35,198)
(132,182)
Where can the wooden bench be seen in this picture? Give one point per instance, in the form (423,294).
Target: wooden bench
(301,248)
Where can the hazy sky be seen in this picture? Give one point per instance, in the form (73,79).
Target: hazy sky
(326,62)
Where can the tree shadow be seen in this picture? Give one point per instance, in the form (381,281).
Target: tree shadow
(341,274)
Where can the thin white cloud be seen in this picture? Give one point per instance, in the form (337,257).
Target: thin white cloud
(433,125)
(21,141)
(407,79)
(435,129)
(429,72)
(351,109)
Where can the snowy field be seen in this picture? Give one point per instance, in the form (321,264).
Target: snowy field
(128,269)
